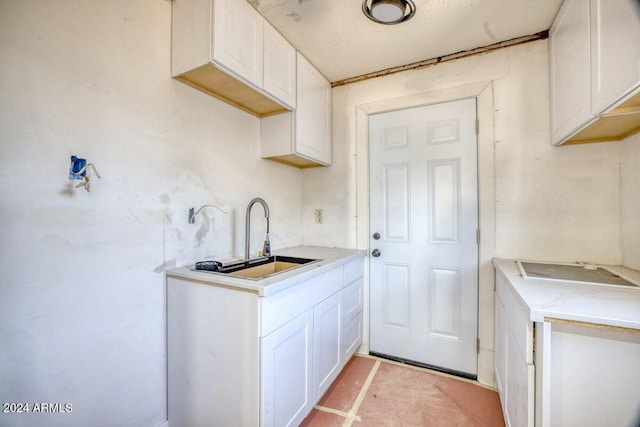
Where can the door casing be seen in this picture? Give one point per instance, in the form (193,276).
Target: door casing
(483,92)
(427,151)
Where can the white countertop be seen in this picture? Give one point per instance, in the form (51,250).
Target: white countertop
(328,258)
(606,305)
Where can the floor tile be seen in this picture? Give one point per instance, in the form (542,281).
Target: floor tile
(406,396)
(344,391)
(322,419)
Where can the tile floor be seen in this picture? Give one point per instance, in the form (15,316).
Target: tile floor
(380,393)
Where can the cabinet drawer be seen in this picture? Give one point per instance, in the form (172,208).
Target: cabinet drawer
(351,301)
(279,308)
(353,271)
(351,338)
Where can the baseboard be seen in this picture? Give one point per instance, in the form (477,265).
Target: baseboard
(363,349)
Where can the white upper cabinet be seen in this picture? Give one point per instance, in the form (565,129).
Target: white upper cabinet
(595,71)
(237,39)
(615,51)
(313,131)
(220,47)
(302,138)
(569,56)
(279,66)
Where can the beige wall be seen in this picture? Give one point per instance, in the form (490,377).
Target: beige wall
(82,292)
(630,192)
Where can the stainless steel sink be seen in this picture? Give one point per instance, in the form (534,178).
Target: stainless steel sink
(260,268)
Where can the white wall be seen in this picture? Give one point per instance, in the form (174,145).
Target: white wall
(630,191)
(82,293)
(552,203)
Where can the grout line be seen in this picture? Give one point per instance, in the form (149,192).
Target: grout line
(332,411)
(351,417)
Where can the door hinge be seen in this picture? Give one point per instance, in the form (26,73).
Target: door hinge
(477,126)
(478,346)
(477,236)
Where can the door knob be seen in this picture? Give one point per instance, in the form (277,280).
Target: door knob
(376,253)
(376,236)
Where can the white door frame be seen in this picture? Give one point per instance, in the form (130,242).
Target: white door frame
(483,92)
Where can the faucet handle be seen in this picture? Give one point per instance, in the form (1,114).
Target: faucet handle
(266,248)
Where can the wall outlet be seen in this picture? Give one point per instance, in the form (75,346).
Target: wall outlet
(319,216)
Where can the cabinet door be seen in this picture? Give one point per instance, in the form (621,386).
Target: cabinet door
(286,391)
(313,114)
(594,376)
(570,69)
(615,51)
(519,388)
(279,66)
(326,343)
(237,39)
(500,349)
(514,357)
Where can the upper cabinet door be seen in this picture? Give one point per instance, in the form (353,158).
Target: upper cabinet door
(615,51)
(570,69)
(313,114)
(279,66)
(238,39)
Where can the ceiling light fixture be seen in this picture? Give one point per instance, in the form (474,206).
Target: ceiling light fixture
(388,12)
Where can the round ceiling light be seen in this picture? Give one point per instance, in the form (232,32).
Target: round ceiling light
(388,12)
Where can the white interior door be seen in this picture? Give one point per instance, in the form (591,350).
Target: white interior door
(424,228)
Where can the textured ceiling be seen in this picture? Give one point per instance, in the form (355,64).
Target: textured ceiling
(342,43)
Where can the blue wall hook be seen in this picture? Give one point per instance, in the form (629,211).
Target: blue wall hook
(77,170)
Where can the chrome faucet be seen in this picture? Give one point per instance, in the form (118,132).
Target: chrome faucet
(266,248)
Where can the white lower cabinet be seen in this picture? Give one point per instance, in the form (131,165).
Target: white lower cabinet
(514,368)
(286,372)
(588,375)
(327,330)
(238,359)
(581,374)
(500,355)
(351,335)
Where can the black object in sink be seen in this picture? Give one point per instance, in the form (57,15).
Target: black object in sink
(208,265)
(234,266)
